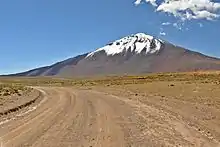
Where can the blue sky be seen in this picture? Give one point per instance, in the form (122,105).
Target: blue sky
(34,33)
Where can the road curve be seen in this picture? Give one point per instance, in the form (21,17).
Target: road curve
(68,117)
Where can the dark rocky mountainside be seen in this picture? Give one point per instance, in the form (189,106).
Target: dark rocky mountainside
(135,54)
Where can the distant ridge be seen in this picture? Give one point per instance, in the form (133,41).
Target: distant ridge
(133,54)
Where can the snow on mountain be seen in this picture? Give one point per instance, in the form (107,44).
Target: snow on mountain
(130,59)
(135,43)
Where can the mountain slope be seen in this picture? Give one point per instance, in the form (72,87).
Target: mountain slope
(53,69)
(134,54)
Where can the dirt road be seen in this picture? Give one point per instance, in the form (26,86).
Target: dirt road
(88,118)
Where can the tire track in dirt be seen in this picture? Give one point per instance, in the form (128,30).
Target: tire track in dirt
(158,123)
(76,118)
(19,110)
(21,106)
(25,125)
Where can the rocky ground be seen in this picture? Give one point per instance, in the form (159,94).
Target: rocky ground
(118,114)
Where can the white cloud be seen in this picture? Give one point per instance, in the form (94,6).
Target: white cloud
(137,2)
(166,23)
(205,15)
(187,9)
(162,33)
(178,26)
(200,25)
(153,2)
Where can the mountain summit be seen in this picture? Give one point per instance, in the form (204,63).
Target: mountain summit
(135,43)
(134,54)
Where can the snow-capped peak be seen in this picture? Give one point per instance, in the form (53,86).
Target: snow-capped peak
(134,43)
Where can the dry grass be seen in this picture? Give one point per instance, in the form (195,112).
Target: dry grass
(201,77)
(194,98)
(12,89)
(191,98)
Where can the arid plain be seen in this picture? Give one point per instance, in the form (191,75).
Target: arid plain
(172,109)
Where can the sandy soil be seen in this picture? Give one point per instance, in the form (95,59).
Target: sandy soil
(13,101)
(111,117)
